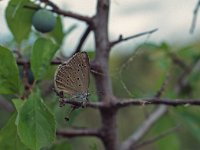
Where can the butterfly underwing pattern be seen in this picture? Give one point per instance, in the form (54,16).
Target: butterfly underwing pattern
(72,78)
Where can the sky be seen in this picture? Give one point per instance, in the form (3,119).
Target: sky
(127,17)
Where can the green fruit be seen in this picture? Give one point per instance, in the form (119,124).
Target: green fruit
(44,20)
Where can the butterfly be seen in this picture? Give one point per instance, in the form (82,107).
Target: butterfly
(72,77)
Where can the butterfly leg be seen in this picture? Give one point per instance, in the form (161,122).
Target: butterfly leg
(61,97)
(73,107)
(84,103)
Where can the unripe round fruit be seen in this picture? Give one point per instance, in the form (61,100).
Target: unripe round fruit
(44,20)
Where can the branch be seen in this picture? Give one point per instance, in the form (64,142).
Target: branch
(182,81)
(23,62)
(163,87)
(159,112)
(144,128)
(88,104)
(82,40)
(128,102)
(194,17)
(70,133)
(70,14)
(179,62)
(150,121)
(157,101)
(58,61)
(121,39)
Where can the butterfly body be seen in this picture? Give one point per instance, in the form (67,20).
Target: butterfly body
(72,77)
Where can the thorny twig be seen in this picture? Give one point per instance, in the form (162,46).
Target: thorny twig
(194,19)
(121,39)
(138,102)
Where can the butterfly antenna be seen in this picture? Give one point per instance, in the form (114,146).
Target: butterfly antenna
(68,115)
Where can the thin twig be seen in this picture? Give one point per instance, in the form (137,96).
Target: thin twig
(79,104)
(82,40)
(156,138)
(194,19)
(161,91)
(159,112)
(163,87)
(70,133)
(143,102)
(86,19)
(70,14)
(182,81)
(178,61)
(157,101)
(23,62)
(144,128)
(121,39)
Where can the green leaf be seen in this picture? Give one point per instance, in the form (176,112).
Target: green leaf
(36,126)
(19,18)
(9,139)
(18,103)
(62,145)
(9,74)
(93,146)
(58,33)
(42,54)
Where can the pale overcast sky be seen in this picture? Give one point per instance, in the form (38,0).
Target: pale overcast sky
(172,18)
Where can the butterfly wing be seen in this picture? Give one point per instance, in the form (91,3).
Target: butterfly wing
(63,80)
(85,70)
(72,76)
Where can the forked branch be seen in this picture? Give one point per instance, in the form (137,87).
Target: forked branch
(140,102)
(121,39)
(158,101)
